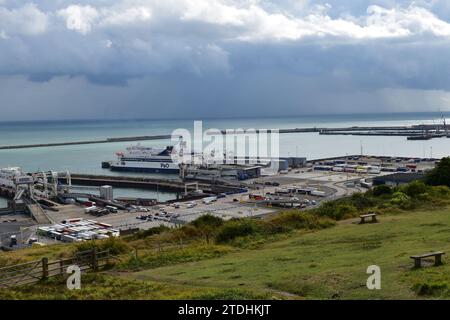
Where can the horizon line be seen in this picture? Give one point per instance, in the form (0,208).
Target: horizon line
(229,117)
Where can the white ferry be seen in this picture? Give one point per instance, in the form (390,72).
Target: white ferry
(146,159)
(10,177)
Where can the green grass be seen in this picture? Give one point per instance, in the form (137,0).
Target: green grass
(325,263)
(103,286)
(331,263)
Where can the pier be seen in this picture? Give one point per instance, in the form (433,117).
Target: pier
(413,132)
(71,143)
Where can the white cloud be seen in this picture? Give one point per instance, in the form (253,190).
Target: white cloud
(25,20)
(239,20)
(126,16)
(84,18)
(260,25)
(211,37)
(79,18)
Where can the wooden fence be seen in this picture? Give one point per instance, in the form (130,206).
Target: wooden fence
(34,271)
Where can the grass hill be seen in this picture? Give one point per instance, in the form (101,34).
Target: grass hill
(322,254)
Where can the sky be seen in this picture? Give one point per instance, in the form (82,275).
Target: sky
(65,59)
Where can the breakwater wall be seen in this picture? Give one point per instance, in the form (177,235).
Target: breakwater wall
(108,140)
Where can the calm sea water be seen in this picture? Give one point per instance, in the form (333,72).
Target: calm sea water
(87,158)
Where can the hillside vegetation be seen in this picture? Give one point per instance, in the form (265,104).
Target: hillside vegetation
(316,254)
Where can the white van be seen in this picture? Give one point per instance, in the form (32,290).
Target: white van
(90,209)
(111,209)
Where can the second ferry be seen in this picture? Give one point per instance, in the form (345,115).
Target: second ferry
(144,159)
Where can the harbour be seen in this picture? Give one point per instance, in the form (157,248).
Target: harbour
(311,160)
(224,150)
(44,196)
(85,159)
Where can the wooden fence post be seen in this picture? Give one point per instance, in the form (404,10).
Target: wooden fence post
(61,269)
(94,259)
(107,256)
(44,268)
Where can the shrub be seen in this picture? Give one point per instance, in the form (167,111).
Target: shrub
(207,225)
(381,190)
(147,233)
(290,220)
(362,201)
(440,175)
(114,245)
(188,231)
(207,220)
(337,210)
(346,210)
(401,200)
(440,191)
(235,229)
(415,188)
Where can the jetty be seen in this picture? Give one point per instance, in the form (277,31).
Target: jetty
(412,132)
(71,143)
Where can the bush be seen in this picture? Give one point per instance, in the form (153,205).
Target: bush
(345,211)
(381,190)
(114,245)
(415,188)
(440,175)
(362,201)
(147,233)
(440,191)
(207,225)
(207,220)
(401,200)
(188,231)
(337,210)
(235,229)
(290,220)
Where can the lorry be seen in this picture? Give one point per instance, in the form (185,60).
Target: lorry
(208,200)
(318,193)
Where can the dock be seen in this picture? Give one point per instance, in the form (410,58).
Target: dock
(413,132)
(174,185)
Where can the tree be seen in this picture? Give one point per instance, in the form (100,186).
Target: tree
(207,225)
(440,175)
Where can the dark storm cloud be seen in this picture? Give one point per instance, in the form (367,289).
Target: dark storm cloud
(199,58)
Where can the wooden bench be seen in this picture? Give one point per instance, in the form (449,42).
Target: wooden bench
(437,258)
(370,215)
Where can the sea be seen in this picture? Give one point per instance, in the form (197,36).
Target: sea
(88,158)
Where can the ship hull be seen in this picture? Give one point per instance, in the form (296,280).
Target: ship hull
(144,169)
